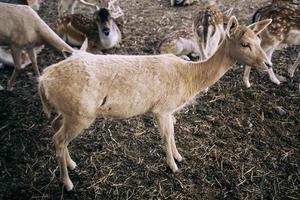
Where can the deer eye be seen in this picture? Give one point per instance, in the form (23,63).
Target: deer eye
(244,44)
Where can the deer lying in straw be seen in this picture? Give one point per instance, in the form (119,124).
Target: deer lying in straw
(68,6)
(86,86)
(203,40)
(102,30)
(284,31)
(22,30)
(182,2)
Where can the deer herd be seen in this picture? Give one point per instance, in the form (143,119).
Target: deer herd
(85,85)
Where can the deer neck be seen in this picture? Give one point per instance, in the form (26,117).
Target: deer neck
(203,74)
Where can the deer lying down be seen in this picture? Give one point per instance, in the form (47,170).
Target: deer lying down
(22,30)
(86,86)
(182,2)
(203,40)
(284,31)
(68,7)
(101,31)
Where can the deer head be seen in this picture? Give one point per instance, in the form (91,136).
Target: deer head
(103,20)
(244,45)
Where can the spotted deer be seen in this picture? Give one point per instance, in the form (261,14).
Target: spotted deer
(21,29)
(204,38)
(68,6)
(100,86)
(284,31)
(182,2)
(102,31)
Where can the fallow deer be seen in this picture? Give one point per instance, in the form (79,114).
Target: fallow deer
(204,38)
(284,31)
(182,2)
(68,6)
(86,86)
(101,31)
(22,30)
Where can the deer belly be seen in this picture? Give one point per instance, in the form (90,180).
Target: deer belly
(122,108)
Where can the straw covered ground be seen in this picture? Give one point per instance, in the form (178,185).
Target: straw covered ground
(238,143)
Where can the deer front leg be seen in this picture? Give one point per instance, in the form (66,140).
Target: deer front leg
(270,71)
(292,69)
(166,127)
(16,54)
(272,76)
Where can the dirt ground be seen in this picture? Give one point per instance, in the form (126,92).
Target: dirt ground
(235,142)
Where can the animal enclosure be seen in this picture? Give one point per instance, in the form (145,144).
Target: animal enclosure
(238,143)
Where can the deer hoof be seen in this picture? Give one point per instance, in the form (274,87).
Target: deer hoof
(69,186)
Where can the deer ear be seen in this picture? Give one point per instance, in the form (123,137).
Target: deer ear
(232,26)
(258,27)
(228,12)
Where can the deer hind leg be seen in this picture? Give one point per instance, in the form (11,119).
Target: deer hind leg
(56,125)
(32,56)
(69,130)
(166,127)
(17,57)
(292,69)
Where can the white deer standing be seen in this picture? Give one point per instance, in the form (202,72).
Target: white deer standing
(86,86)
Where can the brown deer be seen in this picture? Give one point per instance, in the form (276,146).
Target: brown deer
(86,86)
(102,31)
(68,6)
(284,31)
(22,30)
(204,38)
(182,2)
